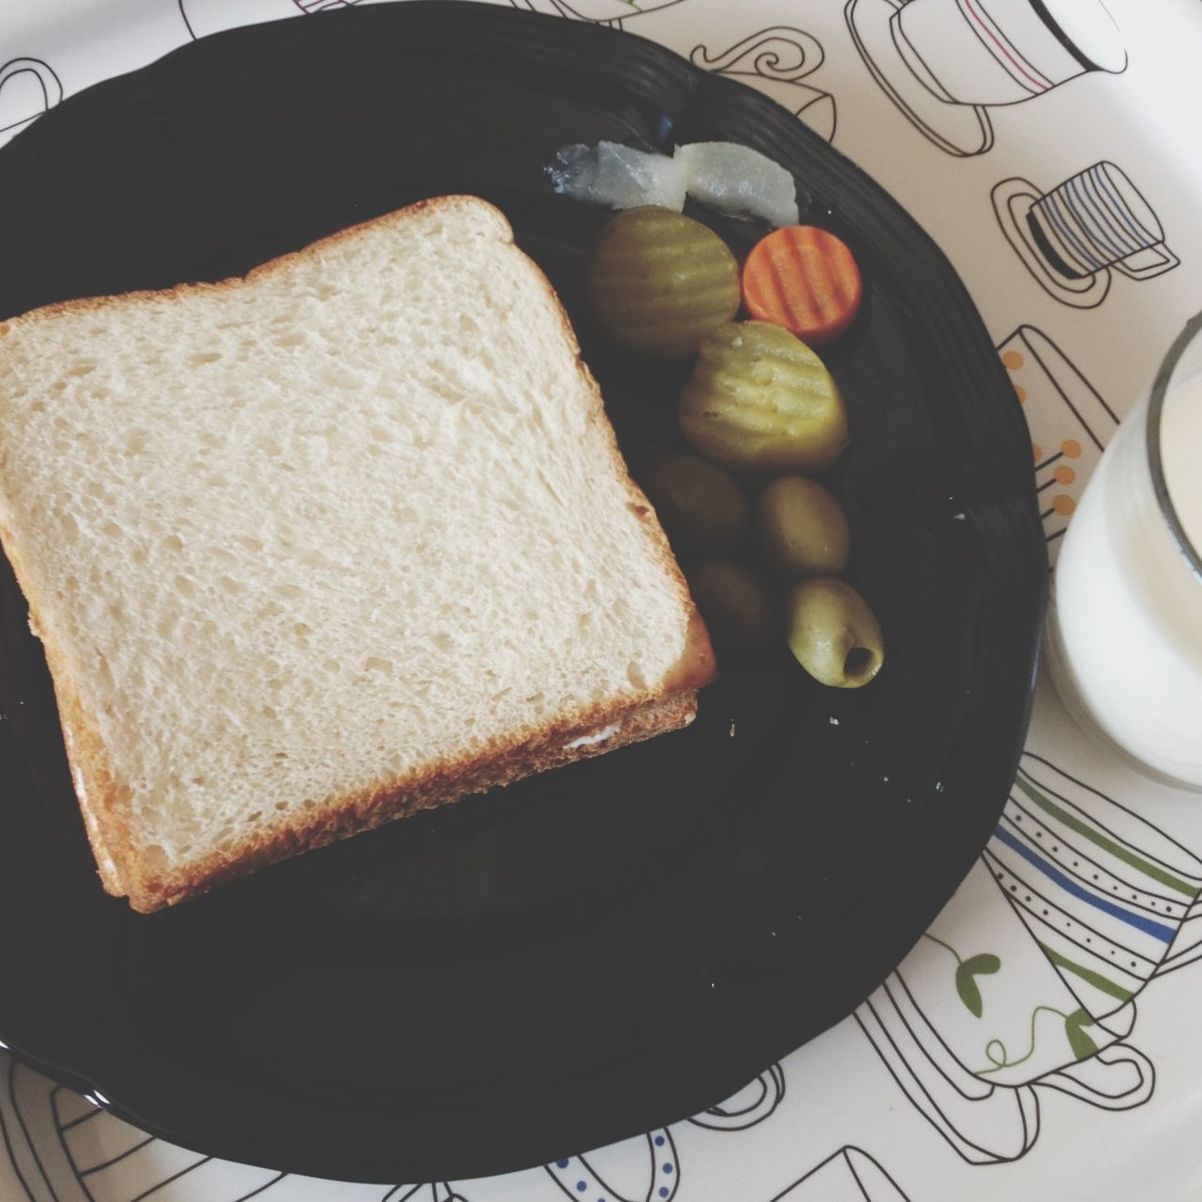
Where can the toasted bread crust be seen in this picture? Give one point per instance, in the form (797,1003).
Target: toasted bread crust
(640,714)
(387,801)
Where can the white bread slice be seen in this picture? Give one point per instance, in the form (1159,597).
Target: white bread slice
(323,546)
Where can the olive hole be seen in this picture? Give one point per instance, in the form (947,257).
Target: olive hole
(858,663)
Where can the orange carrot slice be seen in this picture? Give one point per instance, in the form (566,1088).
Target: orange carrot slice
(804,279)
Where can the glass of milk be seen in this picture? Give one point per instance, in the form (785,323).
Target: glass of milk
(1124,635)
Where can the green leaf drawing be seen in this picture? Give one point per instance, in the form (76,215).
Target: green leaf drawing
(1080,1043)
(983,965)
(966,973)
(970,995)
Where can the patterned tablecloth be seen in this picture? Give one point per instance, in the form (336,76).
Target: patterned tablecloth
(1038,1042)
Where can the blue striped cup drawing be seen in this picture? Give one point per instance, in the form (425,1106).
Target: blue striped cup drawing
(1110,899)
(1098,219)
(1028,978)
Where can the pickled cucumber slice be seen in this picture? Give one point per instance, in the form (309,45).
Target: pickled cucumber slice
(659,281)
(760,398)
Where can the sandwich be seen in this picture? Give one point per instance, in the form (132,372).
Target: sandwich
(320,547)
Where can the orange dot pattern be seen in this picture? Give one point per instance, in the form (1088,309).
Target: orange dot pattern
(1064,474)
(1012,359)
(1036,451)
(1063,504)
(1071,448)
(805,279)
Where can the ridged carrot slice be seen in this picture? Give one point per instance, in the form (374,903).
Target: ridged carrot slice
(805,279)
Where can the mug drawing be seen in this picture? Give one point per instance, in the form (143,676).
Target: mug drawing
(1098,219)
(1104,893)
(28,88)
(777,61)
(946,63)
(61,1147)
(1070,423)
(850,1175)
(1073,237)
(1028,979)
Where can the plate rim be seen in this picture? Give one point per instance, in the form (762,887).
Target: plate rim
(708,88)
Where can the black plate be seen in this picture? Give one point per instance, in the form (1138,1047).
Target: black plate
(606,948)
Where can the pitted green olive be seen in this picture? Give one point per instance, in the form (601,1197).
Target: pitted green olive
(834,634)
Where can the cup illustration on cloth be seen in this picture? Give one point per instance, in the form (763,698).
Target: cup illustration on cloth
(850,1175)
(1028,978)
(976,1018)
(777,61)
(945,63)
(203,17)
(1110,899)
(1072,238)
(28,88)
(63,1148)
(601,1174)
(1069,421)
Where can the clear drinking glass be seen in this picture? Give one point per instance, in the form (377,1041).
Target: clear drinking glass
(1124,632)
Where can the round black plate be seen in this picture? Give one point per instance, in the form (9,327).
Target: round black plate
(603,949)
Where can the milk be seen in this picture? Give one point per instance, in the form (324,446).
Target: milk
(1125,626)
(1181,449)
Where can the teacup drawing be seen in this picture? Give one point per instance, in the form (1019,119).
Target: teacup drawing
(1028,978)
(777,61)
(1021,985)
(28,88)
(1070,423)
(203,17)
(945,63)
(850,1175)
(61,1148)
(1072,237)
(1105,894)
(65,1149)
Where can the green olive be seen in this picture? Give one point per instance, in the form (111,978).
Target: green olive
(736,607)
(659,281)
(760,398)
(801,527)
(699,504)
(833,633)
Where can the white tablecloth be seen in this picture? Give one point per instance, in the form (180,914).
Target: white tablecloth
(1039,1042)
